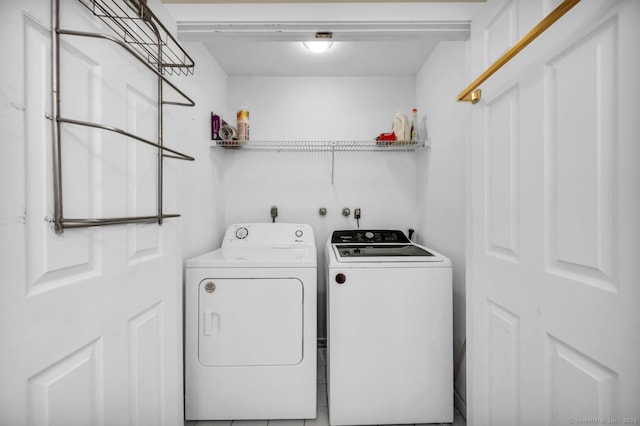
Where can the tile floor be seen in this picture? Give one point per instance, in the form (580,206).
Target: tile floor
(323,410)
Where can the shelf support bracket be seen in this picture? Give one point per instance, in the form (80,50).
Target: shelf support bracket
(333,159)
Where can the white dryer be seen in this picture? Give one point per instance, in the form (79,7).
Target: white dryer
(389,330)
(250,325)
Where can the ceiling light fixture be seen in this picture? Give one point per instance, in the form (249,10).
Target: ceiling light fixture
(321,44)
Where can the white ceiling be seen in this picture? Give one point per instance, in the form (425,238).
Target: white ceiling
(389,38)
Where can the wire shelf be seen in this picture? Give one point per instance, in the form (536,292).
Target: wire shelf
(332,146)
(136,25)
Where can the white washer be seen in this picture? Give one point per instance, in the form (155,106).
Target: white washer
(250,325)
(389,330)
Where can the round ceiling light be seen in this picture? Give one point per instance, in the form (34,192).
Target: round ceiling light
(318,46)
(322,42)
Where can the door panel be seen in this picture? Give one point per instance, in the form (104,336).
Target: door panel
(400,318)
(581,149)
(146,362)
(53,262)
(553,285)
(250,321)
(144,240)
(504,366)
(68,391)
(568,368)
(502,176)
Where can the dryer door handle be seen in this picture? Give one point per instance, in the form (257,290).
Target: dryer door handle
(211,322)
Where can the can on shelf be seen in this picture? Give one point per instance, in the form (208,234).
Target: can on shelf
(243,125)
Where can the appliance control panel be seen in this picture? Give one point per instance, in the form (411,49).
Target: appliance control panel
(268,235)
(376,236)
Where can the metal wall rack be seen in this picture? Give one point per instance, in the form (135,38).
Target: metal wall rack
(140,33)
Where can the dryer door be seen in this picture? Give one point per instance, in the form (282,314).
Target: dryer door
(250,321)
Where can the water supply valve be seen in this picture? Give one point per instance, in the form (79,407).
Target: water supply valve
(356,215)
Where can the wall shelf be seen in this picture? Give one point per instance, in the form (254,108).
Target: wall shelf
(322,146)
(328,146)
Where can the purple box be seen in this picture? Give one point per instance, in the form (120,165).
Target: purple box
(216,122)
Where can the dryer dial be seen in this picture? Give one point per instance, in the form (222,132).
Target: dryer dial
(241,233)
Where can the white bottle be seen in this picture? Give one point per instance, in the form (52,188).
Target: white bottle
(414,125)
(401,128)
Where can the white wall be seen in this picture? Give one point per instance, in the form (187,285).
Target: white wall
(441,176)
(383,185)
(321,108)
(201,194)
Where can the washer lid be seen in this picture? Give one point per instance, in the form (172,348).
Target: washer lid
(411,255)
(255,257)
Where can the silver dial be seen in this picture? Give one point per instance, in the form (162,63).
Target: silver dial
(241,233)
(369,235)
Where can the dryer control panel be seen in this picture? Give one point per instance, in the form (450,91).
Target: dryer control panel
(268,235)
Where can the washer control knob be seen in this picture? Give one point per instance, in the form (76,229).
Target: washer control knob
(341,278)
(241,233)
(299,233)
(210,287)
(369,235)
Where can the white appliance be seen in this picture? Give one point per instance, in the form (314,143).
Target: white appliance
(250,325)
(390,330)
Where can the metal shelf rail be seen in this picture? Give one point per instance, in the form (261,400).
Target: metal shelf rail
(323,146)
(139,32)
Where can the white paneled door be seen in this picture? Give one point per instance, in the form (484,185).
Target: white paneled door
(554,318)
(90,328)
